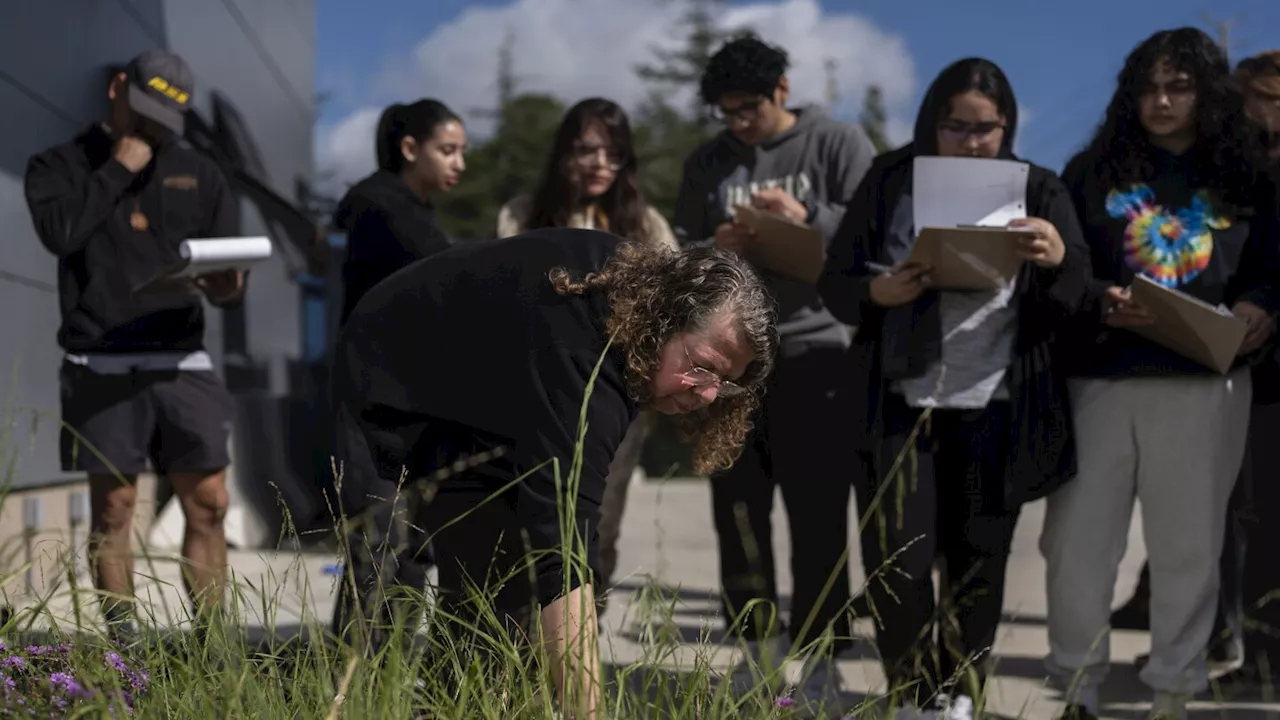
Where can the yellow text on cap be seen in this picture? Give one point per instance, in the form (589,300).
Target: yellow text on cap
(159,83)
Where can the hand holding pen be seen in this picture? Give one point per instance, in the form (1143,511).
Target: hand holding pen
(1119,309)
(899,284)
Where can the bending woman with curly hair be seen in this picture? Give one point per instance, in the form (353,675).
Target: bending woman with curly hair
(481,358)
(1170,191)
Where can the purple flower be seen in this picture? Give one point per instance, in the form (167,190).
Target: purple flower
(15,661)
(115,661)
(66,683)
(785,702)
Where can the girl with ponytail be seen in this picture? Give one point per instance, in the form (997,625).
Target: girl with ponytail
(389,217)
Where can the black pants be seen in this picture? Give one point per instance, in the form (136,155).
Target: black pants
(947,496)
(484,566)
(478,525)
(802,442)
(1261,571)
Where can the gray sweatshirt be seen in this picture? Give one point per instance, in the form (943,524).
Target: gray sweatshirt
(820,162)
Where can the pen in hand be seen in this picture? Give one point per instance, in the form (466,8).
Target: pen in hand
(879,269)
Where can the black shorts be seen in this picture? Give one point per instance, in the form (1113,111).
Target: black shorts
(180,421)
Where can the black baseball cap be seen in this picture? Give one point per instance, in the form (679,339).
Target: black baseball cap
(160,87)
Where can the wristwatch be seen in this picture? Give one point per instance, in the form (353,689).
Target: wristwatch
(812,207)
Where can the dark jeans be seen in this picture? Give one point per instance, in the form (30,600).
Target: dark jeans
(802,442)
(1261,529)
(947,497)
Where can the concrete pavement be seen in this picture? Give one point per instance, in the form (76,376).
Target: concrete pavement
(667,534)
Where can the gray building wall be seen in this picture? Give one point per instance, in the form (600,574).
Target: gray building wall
(259,54)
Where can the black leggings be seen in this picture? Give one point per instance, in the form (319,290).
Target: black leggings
(477,524)
(801,442)
(946,498)
(484,586)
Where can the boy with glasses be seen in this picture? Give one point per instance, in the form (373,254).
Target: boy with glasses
(803,165)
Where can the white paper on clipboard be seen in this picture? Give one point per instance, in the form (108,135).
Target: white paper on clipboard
(958,191)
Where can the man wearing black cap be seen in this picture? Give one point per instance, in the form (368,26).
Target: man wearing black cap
(113,205)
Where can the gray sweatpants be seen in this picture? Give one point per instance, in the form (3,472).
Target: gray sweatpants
(1176,444)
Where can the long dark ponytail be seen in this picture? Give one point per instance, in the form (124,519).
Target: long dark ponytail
(417,120)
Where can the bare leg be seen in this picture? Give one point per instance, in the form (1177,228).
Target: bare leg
(573,649)
(112,500)
(204,544)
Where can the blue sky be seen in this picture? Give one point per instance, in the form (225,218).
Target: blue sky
(1061,56)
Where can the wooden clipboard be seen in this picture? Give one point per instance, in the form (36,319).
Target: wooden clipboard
(788,247)
(969,258)
(1189,326)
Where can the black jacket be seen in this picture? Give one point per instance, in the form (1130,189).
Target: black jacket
(474,344)
(387,228)
(901,342)
(82,200)
(1266,374)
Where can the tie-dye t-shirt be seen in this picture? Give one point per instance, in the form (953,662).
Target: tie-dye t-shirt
(1170,244)
(1176,232)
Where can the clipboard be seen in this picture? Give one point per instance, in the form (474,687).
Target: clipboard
(782,245)
(969,258)
(1189,326)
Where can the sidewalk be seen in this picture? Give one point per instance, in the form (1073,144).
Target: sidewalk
(668,535)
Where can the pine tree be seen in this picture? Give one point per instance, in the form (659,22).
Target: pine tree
(873,119)
(507,163)
(683,68)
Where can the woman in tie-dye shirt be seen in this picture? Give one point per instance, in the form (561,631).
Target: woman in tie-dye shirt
(1168,189)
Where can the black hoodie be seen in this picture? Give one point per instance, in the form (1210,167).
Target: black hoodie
(415,373)
(898,343)
(387,228)
(1172,230)
(85,206)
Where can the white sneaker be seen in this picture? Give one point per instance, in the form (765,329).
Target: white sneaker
(762,660)
(958,708)
(911,712)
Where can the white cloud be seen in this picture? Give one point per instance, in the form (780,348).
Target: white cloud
(900,130)
(346,150)
(578,48)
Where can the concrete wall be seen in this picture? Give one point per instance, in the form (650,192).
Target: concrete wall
(52,84)
(261,57)
(258,55)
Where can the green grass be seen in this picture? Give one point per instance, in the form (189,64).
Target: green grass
(485,673)
(227,676)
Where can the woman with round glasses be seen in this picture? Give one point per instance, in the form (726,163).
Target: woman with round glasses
(590,181)
(507,427)
(966,415)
